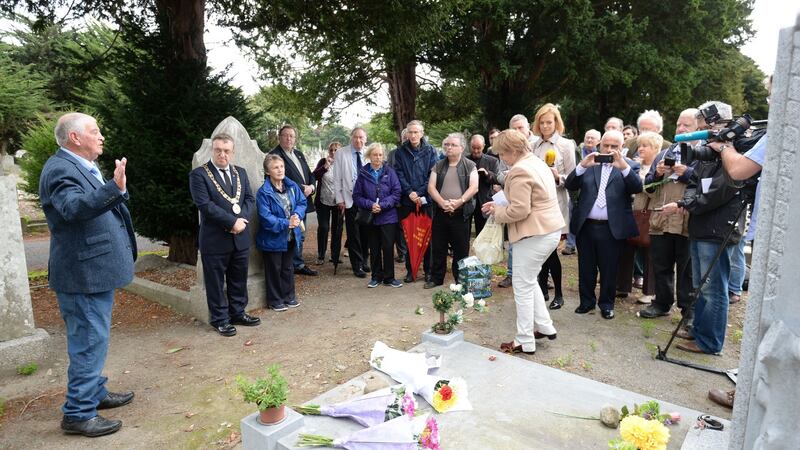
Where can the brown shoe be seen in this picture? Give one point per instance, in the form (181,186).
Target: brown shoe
(683,333)
(733,298)
(506,282)
(690,346)
(509,347)
(722,398)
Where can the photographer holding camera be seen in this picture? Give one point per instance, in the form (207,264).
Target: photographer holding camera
(714,205)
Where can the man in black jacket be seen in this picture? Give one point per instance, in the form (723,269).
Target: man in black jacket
(715,205)
(298,171)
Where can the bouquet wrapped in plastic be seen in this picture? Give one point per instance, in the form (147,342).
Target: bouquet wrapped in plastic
(371,409)
(402,433)
(475,277)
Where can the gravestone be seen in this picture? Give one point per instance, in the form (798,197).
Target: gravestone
(764,415)
(20,341)
(251,158)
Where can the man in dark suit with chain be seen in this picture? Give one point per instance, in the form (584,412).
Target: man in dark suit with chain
(603,219)
(223,197)
(92,249)
(298,171)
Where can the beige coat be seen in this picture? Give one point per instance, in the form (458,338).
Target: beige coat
(564,165)
(531,192)
(661,223)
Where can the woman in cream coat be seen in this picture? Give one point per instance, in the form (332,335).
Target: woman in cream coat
(547,124)
(534,224)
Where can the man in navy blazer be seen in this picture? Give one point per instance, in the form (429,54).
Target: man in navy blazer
(92,249)
(223,197)
(603,219)
(298,171)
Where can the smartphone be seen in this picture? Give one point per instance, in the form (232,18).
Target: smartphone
(604,159)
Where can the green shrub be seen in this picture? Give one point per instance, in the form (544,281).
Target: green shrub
(39,144)
(269,392)
(28,369)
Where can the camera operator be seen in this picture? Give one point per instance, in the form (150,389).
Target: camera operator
(714,205)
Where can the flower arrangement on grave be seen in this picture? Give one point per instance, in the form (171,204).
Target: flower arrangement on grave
(371,409)
(401,433)
(445,299)
(644,428)
(444,394)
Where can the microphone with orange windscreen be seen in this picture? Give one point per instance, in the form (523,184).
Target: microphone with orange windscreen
(550,157)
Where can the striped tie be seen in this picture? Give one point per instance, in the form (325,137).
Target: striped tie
(601,194)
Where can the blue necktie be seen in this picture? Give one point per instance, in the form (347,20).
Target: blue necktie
(96,174)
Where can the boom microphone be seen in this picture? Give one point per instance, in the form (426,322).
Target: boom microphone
(693,136)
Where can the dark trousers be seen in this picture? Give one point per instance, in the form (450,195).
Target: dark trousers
(225,270)
(400,241)
(381,251)
(597,250)
(670,253)
(480,221)
(552,266)
(279,276)
(448,230)
(404,211)
(357,239)
(328,220)
(625,274)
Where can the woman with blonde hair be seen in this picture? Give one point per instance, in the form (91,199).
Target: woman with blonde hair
(559,154)
(535,224)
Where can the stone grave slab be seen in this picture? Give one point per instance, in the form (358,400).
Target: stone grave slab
(512,399)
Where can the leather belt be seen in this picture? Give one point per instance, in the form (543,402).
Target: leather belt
(599,222)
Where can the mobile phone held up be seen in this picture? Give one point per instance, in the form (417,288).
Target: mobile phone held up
(604,159)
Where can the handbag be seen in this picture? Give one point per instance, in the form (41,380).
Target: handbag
(642,219)
(364,216)
(488,244)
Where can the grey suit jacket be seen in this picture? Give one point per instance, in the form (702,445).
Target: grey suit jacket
(343,174)
(92,245)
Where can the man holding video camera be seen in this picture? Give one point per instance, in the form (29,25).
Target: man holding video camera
(715,205)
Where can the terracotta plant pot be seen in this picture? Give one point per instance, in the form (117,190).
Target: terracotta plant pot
(271,416)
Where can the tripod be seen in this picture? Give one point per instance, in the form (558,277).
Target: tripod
(662,353)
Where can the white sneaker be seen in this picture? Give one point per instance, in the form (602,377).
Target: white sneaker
(645,299)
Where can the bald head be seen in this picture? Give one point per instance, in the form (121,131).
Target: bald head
(611,140)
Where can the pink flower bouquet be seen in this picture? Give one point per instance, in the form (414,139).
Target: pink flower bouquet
(371,409)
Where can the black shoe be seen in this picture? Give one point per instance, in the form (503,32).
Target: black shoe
(115,400)
(607,313)
(246,320)
(431,285)
(651,312)
(408,279)
(366,268)
(96,426)
(278,308)
(428,278)
(558,302)
(583,309)
(360,273)
(305,270)
(226,329)
(537,335)
(293,303)
(505,282)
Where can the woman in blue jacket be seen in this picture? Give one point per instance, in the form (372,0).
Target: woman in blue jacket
(281,204)
(377,190)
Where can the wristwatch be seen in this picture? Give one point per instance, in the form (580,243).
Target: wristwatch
(723,147)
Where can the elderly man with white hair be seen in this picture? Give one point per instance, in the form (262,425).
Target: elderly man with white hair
(649,120)
(603,219)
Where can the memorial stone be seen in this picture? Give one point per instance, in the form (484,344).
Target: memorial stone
(20,341)
(766,393)
(251,158)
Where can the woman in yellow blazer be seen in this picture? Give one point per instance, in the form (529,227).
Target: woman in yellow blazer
(534,229)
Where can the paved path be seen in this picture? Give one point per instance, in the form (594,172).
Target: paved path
(37,250)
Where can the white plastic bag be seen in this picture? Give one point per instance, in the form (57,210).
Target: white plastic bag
(489,243)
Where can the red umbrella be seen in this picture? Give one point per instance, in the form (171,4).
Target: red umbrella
(417,230)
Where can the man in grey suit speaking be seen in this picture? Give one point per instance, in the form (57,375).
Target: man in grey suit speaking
(92,249)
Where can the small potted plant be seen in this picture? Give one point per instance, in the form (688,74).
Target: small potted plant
(268,393)
(445,299)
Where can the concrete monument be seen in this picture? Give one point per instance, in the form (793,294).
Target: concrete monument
(20,341)
(249,156)
(766,394)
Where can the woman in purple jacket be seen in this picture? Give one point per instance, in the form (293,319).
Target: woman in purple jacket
(377,190)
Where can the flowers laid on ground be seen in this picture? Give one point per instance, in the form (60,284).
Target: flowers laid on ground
(403,432)
(371,409)
(445,299)
(411,369)
(644,428)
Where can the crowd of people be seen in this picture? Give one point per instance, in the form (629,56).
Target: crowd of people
(631,204)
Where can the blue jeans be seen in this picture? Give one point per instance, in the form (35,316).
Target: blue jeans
(88,322)
(711,307)
(737,269)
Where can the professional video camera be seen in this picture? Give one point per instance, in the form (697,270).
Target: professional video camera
(735,131)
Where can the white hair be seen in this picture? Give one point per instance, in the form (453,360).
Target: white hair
(725,110)
(417,123)
(460,136)
(516,118)
(478,137)
(71,122)
(616,119)
(653,115)
(614,134)
(594,133)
